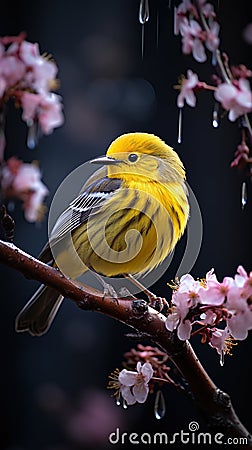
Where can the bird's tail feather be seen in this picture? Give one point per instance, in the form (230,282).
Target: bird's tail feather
(37,315)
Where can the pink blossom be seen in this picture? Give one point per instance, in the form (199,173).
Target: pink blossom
(215,293)
(50,115)
(29,77)
(207,9)
(12,70)
(30,103)
(242,279)
(184,298)
(47,109)
(208,317)
(180,12)
(192,36)
(219,340)
(187,93)
(239,320)
(23,181)
(134,385)
(40,72)
(212,40)
(235,98)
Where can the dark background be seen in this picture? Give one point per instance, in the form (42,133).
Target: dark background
(53,388)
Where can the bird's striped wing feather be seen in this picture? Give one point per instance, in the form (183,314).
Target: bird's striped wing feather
(79,210)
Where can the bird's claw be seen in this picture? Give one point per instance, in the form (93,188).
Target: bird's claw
(109,291)
(158,303)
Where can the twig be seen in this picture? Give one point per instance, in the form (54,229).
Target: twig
(213,404)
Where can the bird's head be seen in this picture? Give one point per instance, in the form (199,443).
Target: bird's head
(142,155)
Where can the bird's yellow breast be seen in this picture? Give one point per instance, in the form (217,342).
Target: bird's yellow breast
(133,236)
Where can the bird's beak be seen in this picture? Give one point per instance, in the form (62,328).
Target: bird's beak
(105,160)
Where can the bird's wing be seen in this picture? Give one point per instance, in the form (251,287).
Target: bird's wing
(79,210)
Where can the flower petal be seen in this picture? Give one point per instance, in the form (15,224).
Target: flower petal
(147,371)
(140,392)
(127,395)
(127,377)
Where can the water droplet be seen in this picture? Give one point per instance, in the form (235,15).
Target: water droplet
(144,13)
(216,115)
(214,59)
(32,134)
(159,405)
(180,126)
(118,402)
(244,195)
(222,355)
(124,404)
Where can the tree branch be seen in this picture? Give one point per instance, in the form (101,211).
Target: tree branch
(212,403)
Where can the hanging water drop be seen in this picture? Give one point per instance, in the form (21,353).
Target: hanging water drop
(118,402)
(124,404)
(159,405)
(142,42)
(244,195)
(222,355)
(215,122)
(32,134)
(144,12)
(144,15)
(180,126)
(214,59)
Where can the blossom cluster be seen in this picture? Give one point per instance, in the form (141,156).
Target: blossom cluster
(194,37)
(232,89)
(195,21)
(23,181)
(29,78)
(234,96)
(223,310)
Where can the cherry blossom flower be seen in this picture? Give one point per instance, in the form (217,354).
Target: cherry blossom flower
(187,87)
(242,279)
(180,13)
(215,293)
(29,77)
(46,109)
(50,114)
(192,36)
(23,181)
(212,40)
(134,385)
(207,9)
(239,320)
(209,302)
(184,298)
(235,98)
(221,340)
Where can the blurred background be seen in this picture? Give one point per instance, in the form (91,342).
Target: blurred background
(53,388)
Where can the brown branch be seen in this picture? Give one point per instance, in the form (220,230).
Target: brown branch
(214,404)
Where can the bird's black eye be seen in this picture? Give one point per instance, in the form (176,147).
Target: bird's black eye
(132,157)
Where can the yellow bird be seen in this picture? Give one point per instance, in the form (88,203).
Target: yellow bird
(127,219)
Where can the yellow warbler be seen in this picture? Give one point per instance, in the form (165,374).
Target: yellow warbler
(127,219)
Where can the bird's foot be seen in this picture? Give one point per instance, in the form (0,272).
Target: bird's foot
(158,303)
(109,292)
(126,294)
